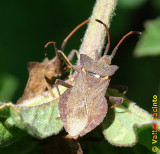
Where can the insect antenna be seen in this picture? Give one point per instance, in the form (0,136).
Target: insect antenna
(74,30)
(109,42)
(66,39)
(122,39)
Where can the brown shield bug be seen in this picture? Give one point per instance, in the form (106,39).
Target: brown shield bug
(83,106)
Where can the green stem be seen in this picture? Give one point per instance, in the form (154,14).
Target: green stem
(95,35)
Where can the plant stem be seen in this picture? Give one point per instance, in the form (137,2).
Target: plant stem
(95,34)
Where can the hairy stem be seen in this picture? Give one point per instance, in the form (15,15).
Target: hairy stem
(95,35)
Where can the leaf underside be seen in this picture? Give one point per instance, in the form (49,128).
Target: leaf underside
(122,124)
(39,117)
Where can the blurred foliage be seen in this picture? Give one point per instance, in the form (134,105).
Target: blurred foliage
(149,43)
(131,4)
(25,146)
(8,87)
(156,5)
(27,25)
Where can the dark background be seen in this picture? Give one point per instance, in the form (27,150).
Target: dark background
(26,26)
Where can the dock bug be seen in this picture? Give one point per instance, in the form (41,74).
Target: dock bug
(83,106)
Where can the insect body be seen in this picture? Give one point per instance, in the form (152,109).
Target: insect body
(83,106)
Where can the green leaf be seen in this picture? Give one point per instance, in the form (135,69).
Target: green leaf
(38,116)
(40,121)
(149,43)
(8,135)
(123,123)
(145,136)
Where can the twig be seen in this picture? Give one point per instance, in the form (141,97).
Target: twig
(95,35)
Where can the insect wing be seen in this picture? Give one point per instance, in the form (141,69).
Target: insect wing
(96,102)
(73,107)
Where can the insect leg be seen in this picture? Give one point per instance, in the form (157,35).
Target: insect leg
(72,54)
(68,61)
(61,82)
(70,57)
(118,100)
(121,88)
(48,86)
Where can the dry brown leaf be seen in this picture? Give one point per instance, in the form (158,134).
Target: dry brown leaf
(36,84)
